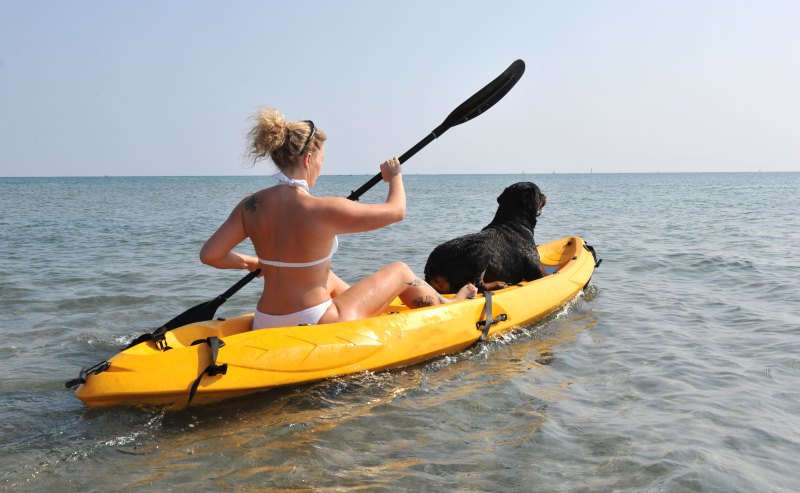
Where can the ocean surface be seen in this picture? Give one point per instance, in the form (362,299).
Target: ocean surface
(678,369)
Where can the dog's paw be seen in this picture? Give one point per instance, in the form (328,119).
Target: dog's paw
(495,285)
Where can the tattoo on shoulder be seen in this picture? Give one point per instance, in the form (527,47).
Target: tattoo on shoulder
(250,203)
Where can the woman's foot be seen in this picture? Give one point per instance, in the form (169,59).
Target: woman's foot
(420,294)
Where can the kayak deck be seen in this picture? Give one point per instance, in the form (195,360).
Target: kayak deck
(263,359)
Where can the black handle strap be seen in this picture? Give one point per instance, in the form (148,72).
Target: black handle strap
(211,370)
(488,321)
(597,261)
(84,374)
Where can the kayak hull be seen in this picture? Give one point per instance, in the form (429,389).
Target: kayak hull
(269,358)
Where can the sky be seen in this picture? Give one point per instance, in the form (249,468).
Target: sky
(129,88)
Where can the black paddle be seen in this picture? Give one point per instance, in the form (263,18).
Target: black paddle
(478,103)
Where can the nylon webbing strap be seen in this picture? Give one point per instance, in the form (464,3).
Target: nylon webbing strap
(488,321)
(597,261)
(211,370)
(157,336)
(488,310)
(84,374)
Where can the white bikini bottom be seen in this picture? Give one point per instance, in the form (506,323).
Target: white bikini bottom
(309,316)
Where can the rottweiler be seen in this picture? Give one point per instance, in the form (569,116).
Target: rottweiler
(502,253)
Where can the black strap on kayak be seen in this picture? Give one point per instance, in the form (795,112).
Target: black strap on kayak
(488,321)
(213,369)
(158,336)
(597,261)
(84,374)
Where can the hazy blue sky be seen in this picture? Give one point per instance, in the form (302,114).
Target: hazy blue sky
(167,87)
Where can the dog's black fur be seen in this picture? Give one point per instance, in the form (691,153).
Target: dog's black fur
(502,252)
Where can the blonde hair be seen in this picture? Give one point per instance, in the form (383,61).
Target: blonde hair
(272,136)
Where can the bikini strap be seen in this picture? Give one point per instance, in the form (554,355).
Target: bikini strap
(278,263)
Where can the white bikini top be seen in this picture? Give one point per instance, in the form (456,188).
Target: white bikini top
(303,185)
(278,263)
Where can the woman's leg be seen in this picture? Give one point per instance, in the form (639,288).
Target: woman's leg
(372,295)
(418,293)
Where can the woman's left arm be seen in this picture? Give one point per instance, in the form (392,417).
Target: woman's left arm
(218,250)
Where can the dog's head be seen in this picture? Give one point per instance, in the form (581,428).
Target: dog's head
(524,197)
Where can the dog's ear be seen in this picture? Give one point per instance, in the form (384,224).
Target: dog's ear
(505,196)
(530,197)
(533,196)
(525,195)
(522,194)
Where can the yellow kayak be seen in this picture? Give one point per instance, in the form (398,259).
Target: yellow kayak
(219,359)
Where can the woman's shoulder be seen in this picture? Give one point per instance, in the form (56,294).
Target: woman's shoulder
(250,202)
(333,204)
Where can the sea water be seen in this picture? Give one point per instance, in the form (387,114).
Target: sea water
(678,369)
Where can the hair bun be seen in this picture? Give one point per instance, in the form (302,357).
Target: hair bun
(268,134)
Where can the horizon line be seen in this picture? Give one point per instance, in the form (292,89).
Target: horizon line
(420,174)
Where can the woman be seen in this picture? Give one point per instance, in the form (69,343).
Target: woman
(294,235)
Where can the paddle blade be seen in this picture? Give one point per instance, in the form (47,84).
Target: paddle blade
(205,311)
(484,99)
(198,313)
